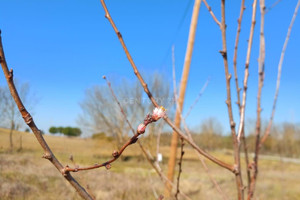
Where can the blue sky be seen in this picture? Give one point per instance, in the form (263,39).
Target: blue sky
(63,47)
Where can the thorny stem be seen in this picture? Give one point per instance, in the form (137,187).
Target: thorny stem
(236,147)
(261,66)
(146,153)
(30,122)
(267,131)
(168,121)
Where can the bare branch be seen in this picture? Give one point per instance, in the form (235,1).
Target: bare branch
(267,132)
(157,114)
(29,121)
(261,66)
(168,121)
(190,137)
(211,13)
(238,89)
(246,75)
(179,169)
(238,176)
(198,97)
(272,6)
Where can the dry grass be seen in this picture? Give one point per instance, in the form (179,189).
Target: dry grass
(25,175)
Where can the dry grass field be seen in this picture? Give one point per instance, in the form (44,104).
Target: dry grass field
(25,175)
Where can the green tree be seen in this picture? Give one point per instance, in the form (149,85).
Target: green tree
(53,130)
(70,131)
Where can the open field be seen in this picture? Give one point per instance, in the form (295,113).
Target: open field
(25,175)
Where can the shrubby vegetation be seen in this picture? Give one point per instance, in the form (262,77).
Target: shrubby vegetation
(68,131)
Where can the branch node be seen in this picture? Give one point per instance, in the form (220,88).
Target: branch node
(119,34)
(115,154)
(133,140)
(227,102)
(47,155)
(108,166)
(11,74)
(64,171)
(232,124)
(223,53)
(229,76)
(27,118)
(1,59)
(235,170)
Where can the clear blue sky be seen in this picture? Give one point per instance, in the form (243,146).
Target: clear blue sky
(63,47)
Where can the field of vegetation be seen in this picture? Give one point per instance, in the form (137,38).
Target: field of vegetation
(25,175)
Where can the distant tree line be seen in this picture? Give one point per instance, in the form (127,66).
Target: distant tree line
(68,131)
(284,139)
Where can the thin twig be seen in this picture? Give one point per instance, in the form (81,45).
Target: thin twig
(190,137)
(272,6)
(261,67)
(183,85)
(179,169)
(238,176)
(238,89)
(48,154)
(211,13)
(203,162)
(180,112)
(246,74)
(146,153)
(168,121)
(116,154)
(267,131)
(198,98)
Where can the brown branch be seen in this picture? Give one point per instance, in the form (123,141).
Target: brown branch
(48,154)
(168,121)
(179,169)
(246,74)
(238,89)
(238,176)
(116,154)
(267,131)
(261,66)
(211,13)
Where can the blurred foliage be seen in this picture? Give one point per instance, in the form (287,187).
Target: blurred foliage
(284,139)
(68,131)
